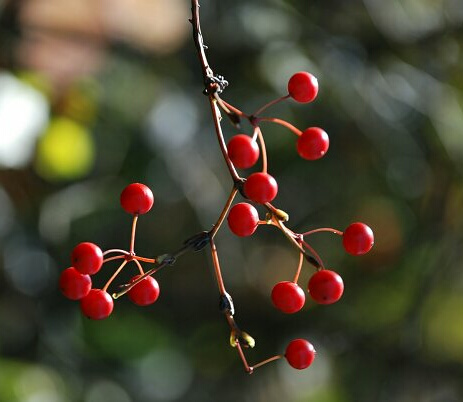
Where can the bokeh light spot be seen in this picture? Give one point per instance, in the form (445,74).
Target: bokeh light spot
(65,152)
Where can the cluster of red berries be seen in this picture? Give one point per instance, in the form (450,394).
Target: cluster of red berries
(312,143)
(243,151)
(325,286)
(87,259)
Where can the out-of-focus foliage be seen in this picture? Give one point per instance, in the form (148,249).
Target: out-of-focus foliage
(97,94)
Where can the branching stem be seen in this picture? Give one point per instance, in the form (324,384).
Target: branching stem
(281,122)
(271,103)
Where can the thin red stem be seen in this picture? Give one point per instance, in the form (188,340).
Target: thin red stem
(299,267)
(116,250)
(105,287)
(271,103)
(263,362)
(132,236)
(287,232)
(263,149)
(144,259)
(243,358)
(223,147)
(130,285)
(232,108)
(117,257)
(140,268)
(224,212)
(218,272)
(338,232)
(281,122)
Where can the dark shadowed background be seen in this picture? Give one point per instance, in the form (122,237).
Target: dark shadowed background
(97,94)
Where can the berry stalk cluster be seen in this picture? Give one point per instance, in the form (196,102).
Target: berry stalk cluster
(241,152)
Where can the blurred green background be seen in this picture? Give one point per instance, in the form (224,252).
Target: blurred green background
(97,94)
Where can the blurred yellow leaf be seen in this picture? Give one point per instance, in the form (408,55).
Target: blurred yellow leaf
(65,152)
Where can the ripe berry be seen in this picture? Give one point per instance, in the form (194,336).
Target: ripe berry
(145,292)
(137,199)
(313,143)
(326,287)
(303,87)
(73,284)
(87,258)
(288,297)
(260,187)
(300,353)
(243,219)
(243,151)
(97,304)
(358,239)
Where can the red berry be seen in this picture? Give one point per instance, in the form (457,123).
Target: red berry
(260,187)
(358,238)
(97,304)
(326,287)
(73,284)
(137,199)
(145,292)
(243,219)
(303,87)
(300,354)
(313,143)
(243,151)
(288,297)
(87,258)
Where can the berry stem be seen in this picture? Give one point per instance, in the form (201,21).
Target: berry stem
(117,257)
(140,268)
(281,122)
(144,259)
(299,267)
(271,103)
(294,238)
(287,232)
(223,147)
(198,40)
(208,76)
(132,236)
(225,105)
(116,250)
(168,259)
(218,272)
(263,362)
(105,287)
(258,131)
(338,232)
(224,212)
(248,369)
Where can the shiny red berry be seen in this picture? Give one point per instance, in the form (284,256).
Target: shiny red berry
(312,143)
(303,87)
(145,292)
(97,305)
(260,187)
(243,151)
(288,297)
(73,284)
(137,199)
(87,258)
(358,238)
(300,354)
(326,287)
(243,219)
